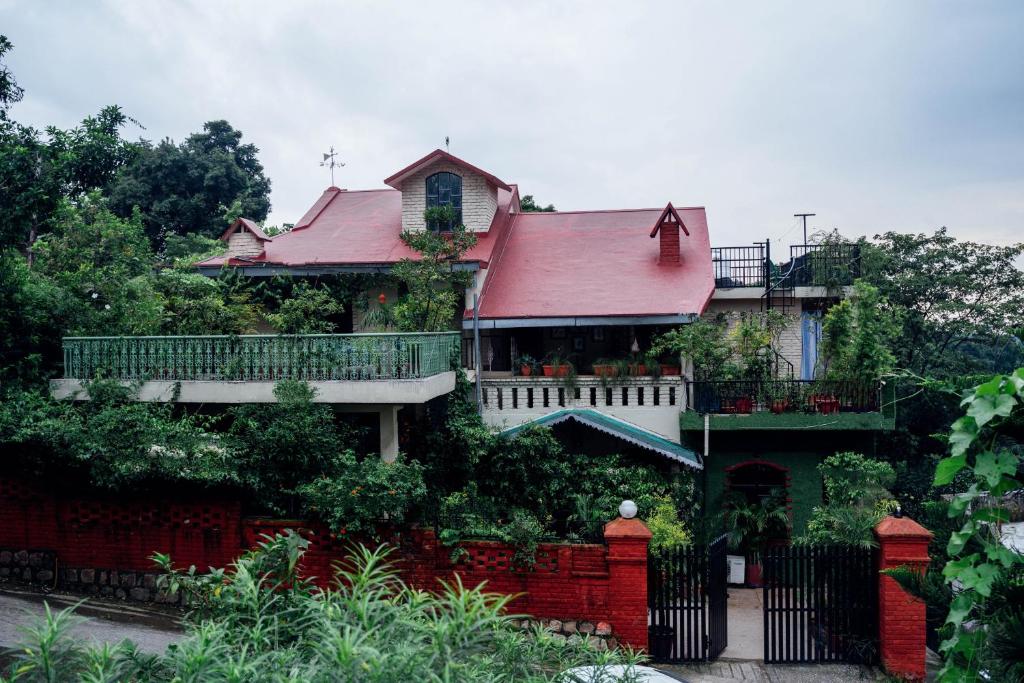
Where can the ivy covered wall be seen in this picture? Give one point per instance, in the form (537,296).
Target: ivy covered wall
(799,453)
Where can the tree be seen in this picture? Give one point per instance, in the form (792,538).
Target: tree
(949,293)
(10,92)
(193,186)
(528,205)
(857,335)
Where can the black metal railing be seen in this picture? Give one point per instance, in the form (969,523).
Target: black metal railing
(738,266)
(783,396)
(823,265)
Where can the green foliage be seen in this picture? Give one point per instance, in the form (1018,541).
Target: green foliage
(668,532)
(10,92)
(435,287)
(360,494)
(192,186)
(32,315)
(746,349)
(750,525)
(259,621)
(949,294)
(857,497)
(857,336)
(287,444)
(527,204)
(980,569)
(307,311)
(703,342)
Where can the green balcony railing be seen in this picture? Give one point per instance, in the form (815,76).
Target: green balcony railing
(312,357)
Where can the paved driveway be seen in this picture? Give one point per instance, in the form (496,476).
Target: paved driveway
(105,622)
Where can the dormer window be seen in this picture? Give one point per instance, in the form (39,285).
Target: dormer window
(445,189)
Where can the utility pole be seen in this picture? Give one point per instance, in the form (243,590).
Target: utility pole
(804,216)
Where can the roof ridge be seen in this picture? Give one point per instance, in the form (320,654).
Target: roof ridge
(660,208)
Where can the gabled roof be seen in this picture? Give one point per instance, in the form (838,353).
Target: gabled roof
(627,431)
(359,229)
(669,216)
(395,181)
(249,225)
(591,264)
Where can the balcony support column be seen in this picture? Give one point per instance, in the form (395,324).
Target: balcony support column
(389,432)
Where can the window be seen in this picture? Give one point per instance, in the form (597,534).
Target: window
(445,189)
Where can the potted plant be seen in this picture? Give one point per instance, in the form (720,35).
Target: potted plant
(776,397)
(669,370)
(751,525)
(527,365)
(604,368)
(557,366)
(744,405)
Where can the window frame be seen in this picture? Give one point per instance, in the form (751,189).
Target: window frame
(444,196)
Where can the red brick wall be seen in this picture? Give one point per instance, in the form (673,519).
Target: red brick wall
(597,583)
(96,532)
(901,617)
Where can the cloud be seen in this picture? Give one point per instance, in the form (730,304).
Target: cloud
(875,116)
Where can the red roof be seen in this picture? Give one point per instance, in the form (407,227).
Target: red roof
(358,228)
(597,263)
(395,181)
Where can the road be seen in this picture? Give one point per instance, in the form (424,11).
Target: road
(104,621)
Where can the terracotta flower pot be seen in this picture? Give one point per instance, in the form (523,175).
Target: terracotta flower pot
(604,370)
(670,370)
(637,369)
(556,370)
(825,404)
(780,405)
(744,405)
(754,575)
(525,370)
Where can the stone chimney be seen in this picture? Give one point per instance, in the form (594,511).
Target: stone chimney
(669,224)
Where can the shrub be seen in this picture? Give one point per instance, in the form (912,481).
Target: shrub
(360,494)
(259,621)
(667,532)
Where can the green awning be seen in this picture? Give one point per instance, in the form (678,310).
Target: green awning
(627,431)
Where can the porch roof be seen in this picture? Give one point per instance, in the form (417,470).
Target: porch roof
(627,431)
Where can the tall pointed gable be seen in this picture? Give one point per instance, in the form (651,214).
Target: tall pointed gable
(437,155)
(669,217)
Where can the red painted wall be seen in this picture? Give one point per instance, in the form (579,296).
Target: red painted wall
(587,582)
(100,533)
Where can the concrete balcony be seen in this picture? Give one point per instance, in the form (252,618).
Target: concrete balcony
(652,403)
(344,368)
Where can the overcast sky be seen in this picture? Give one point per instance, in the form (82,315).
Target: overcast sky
(875,115)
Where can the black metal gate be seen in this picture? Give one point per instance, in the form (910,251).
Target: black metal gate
(820,605)
(687,603)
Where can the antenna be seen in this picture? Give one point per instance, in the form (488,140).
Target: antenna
(330,162)
(804,216)
(446,141)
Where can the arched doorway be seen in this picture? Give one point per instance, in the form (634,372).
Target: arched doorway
(757,479)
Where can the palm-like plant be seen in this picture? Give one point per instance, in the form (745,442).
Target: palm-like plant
(751,525)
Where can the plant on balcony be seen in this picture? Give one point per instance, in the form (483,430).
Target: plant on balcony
(556,365)
(527,365)
(703,342)
(604,368)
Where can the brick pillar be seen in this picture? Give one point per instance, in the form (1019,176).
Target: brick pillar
(901,618)
(627,541)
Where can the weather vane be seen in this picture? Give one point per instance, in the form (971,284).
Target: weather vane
(332,163)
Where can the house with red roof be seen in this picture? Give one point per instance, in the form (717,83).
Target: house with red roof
(556,330)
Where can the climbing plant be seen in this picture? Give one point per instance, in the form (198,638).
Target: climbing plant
(981,570)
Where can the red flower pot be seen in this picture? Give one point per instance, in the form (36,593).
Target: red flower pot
(556,370)
(826,405)
(779,406)
(637,369)
(604,370)
(525,370)
(754,575)
(744,405)
(670,370)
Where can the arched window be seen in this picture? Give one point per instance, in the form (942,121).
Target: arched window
(445,189)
